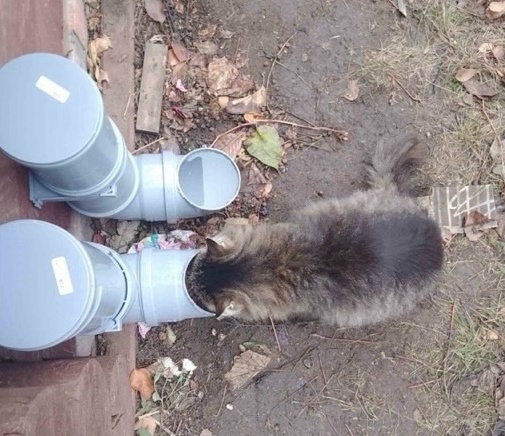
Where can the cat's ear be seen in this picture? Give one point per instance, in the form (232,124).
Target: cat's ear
(218,246)
(226,307)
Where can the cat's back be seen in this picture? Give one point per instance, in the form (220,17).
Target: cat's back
(389,244)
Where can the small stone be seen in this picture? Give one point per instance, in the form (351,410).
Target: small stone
(305,57)
(229,406)
(213,332)
(221,337)
(468,99)
(498,170)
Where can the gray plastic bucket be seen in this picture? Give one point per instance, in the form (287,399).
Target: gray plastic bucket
(52,287)
(173,187)
(52,120)
(162,296)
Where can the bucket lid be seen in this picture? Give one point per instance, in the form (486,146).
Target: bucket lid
(208,179)
(47,286)
(50,109)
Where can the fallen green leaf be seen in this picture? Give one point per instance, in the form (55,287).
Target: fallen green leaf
(156,397)
(265,145)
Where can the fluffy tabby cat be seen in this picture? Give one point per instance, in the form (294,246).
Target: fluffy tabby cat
(350,261)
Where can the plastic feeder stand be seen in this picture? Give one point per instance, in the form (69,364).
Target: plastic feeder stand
(172,186)
(52,120)
(53,287)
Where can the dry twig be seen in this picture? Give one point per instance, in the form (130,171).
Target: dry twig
(147,145)
(274,60)
(222,402)
(400,84)
(446,354)
(275,334)
(341,135)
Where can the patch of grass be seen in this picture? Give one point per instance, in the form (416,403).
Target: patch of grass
(456,398)
(470,351)
(423,55)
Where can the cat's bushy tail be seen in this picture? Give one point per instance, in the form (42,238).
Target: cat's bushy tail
(394,164)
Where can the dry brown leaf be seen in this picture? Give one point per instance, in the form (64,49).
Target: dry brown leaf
(241,86)
(180,52)
(490,335)
(179,72)
(245,366)
(485,47)
(267,189)
(480,90)
(241,59)
(147,423)
(498,52)
(500,229)
(154,9)
(475,224)
(198,61)
(252,117)
(172,58)
(352,92)
(251,103)
(465,74)
(179,7)
(222,101)
(224,79)
(187,125)
(206,48)
(225,34)
(95,48)
(257,184)
(255,176)
(495,10)
(101,44)
(140,381)
(496,152)
(231,143)
(207,32)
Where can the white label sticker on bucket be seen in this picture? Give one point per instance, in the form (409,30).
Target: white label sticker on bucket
(62,275)
(52,89)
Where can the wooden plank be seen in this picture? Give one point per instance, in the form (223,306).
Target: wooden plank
(119,97)
(151,88)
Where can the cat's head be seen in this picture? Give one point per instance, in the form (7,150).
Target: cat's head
(233,277)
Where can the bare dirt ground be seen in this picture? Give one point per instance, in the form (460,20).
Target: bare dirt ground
(436,372)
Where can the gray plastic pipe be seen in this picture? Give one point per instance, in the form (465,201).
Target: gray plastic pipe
(52,121)
(53,287)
